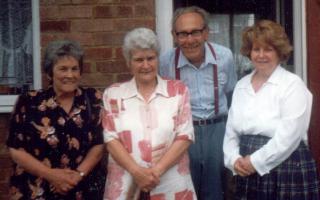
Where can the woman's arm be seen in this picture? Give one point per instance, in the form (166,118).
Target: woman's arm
(184,134)
(143,177)
(62,179)
(92,158)
(171,157)
(295,110)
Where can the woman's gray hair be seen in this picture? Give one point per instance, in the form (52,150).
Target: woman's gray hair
(61,48)
(191,9)
(139,38)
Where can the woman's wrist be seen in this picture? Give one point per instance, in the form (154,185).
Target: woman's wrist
(81,173)
(158,170)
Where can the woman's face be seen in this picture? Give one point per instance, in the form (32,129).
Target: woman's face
(264,56)
(144,65)
(66,75)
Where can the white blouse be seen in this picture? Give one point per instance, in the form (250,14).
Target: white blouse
(280,109)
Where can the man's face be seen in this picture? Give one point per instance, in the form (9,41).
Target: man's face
(190,34)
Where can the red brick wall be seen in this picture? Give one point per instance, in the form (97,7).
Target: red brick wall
(313,58)
(5,161)
(99,25)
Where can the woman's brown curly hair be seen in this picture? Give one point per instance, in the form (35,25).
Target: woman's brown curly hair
(266,32)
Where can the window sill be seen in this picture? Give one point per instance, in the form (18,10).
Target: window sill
(7,103)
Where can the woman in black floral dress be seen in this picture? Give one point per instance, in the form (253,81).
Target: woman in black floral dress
(55,135)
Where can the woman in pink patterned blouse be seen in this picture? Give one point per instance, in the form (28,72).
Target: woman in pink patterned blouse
(147,128)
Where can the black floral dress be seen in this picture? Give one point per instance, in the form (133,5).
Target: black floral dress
(58,139)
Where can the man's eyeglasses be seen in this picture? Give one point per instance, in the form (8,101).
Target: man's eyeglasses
(193,33)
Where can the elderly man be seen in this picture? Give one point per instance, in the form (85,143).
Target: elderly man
(209,72)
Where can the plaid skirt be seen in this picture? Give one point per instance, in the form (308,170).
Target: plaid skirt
(296,178)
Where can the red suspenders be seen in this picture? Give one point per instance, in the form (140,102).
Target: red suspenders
(215,76)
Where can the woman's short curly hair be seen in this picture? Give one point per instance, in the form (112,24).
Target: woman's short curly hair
(139,38)
(61,48)
(266,32)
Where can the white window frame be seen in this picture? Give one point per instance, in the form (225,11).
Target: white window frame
(164,12)
(7,101)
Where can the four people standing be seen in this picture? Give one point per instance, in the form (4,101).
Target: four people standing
(209,72)
(148,122)
(266,136)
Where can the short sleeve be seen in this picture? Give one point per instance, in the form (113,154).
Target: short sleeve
(184,126)
(18,126)
(94,100)
(109,114)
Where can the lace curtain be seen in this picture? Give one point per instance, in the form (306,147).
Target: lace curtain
(16,65)
(226,29)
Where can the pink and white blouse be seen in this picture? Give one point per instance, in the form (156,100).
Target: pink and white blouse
(147,130)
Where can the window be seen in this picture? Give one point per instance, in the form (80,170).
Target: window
(19,50)
(229,17)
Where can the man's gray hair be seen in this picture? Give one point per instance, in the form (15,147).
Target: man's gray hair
(192,9)
(139,38)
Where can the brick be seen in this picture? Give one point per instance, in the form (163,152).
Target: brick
(108,1)
(88,25)
(109,39)
(97,80)
(119,54)
(85,39)
(54,2)
(87,67)
(84,1)
(113,12)
(112,66)
(4,190)
(127,1)
(49,12)
(98,53)
(55,26)
(4,151)
(46,38)
(123,77)
(67,12)
(128,24)
(5,160)
(140,1)
(3,136)
(4,120)
(144,11)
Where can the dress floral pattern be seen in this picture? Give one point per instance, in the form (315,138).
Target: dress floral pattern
(147,130)
(58,139)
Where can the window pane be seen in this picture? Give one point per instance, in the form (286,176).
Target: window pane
(16,64)
(226,29)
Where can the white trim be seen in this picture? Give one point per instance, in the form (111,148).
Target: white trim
(7,101)
(299,38)
(164,12)
(36,45)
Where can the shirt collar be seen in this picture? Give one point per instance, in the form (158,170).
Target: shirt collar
(209,58)
(276,75)
(275,78)
(132,90)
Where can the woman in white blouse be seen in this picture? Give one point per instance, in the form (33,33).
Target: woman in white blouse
(147,128)
(265,143)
